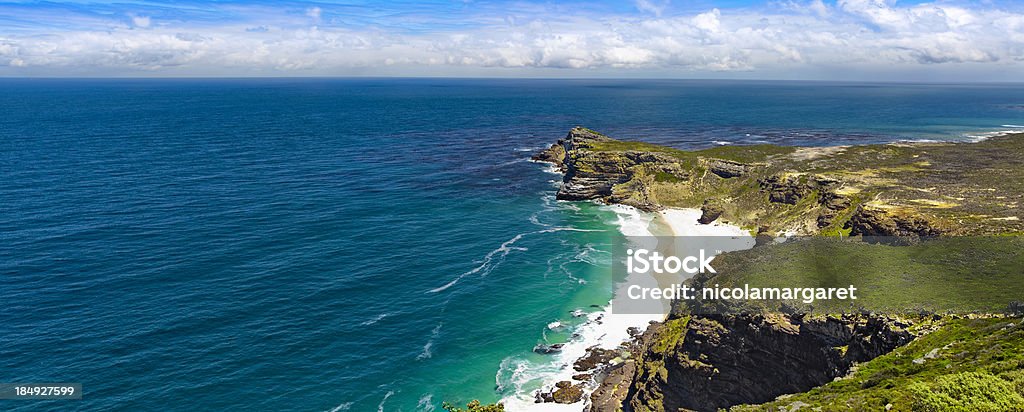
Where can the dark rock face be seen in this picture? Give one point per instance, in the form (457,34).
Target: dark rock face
(709,213)
(878,222)
(554,154)
(603,175)
(548,349)
(789,189)
(595,357)
(610,396)
(785,189)
(726,360)
(564,392)
(594,181)
(1015,308)
(727,169)
(832,204)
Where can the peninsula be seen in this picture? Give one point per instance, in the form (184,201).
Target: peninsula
(939,324)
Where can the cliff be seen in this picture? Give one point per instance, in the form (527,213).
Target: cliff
(708,362)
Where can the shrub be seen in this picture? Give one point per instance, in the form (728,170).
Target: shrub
(968,391)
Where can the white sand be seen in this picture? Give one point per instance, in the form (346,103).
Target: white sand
(683,222)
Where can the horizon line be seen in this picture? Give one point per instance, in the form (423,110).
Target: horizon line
(378,77)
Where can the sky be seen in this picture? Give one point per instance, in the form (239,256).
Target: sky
(961,41)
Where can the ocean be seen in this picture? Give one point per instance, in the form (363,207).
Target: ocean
(353,244)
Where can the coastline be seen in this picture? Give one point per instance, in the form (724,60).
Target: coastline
(604,331)
(669,184)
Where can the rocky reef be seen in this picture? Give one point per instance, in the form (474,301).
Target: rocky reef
(920,189)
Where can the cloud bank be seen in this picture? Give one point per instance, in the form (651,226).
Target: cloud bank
(848,38)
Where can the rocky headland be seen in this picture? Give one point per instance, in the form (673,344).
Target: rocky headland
(921,189)
(703,361)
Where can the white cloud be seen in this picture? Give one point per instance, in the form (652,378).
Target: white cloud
(314,12)
(806,36)
(708,21)
(141,21)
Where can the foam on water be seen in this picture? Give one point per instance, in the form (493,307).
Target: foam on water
(488,263)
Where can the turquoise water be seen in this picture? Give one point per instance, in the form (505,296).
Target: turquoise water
(286,244)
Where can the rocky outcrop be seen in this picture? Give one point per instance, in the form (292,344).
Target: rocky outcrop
(868,221)
(612,176)
(611,395)
(709,212)
(563,392)
(727,169)
(595,358)
(723,360)
(554,154)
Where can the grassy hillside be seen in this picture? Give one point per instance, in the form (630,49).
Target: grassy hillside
(965,365)
(942,275)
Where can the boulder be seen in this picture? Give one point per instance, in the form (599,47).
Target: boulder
(709,213)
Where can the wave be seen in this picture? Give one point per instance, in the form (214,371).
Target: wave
(509,375)
(380,406)
(518,379)
(978,137)
(427,353)
(486,266)
(1014,126)
(918,141)
(376,319)
(425,403)
(494,258)
(528,149)
(511,162)
(343,407)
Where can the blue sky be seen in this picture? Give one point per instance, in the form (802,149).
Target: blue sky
(778,39)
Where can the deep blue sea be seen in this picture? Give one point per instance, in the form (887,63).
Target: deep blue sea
(343,244)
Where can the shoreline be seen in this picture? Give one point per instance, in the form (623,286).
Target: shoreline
(604,329)
(592,169)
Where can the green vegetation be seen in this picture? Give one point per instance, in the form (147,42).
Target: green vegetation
(670,333)
(964,365)
(955,208)
(746,154)
(933,188)
(965,392)
(943,275)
